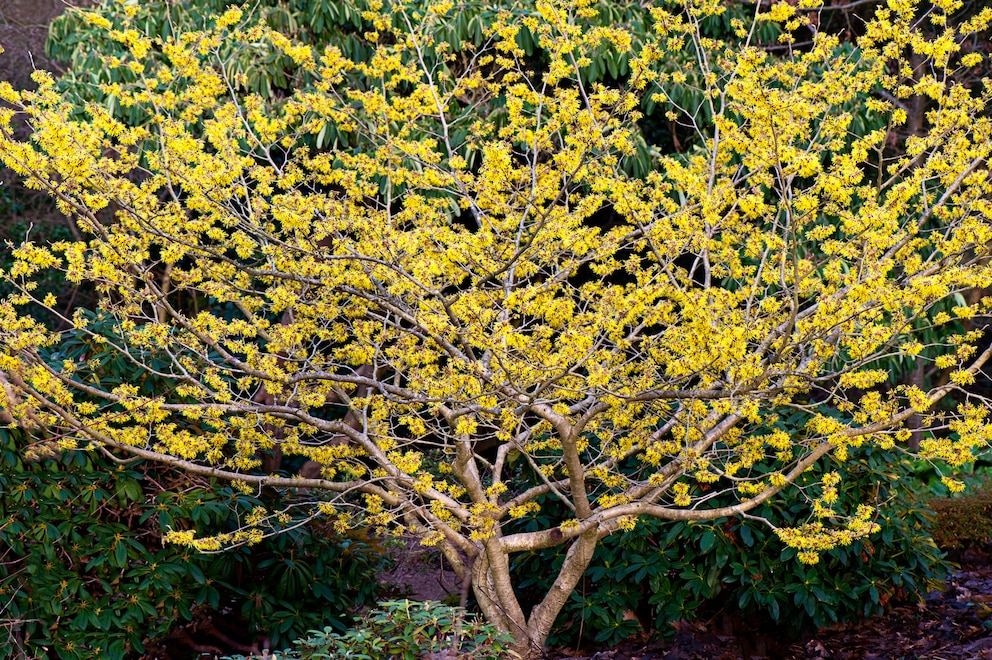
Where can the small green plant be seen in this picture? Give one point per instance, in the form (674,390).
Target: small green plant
(405,630)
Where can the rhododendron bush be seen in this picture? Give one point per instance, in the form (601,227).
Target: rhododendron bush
(477,310)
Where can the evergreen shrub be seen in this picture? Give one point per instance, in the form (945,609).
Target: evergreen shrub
(84,574)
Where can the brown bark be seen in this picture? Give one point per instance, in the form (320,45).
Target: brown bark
(915,421)
(542,618)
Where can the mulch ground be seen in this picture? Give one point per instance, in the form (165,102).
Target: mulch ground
(953,624)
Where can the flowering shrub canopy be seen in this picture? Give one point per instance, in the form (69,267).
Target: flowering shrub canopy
(450,344)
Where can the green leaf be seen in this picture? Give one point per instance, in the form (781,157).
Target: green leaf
(120,555)
(773,609)
(746,535)
(707,540)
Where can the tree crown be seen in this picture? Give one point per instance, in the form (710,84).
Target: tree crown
(451,343)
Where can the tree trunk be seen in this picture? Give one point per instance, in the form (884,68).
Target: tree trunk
(493,591)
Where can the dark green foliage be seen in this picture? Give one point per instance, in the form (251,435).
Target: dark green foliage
(84,573)
(405,630)
(666,572)
(11,203)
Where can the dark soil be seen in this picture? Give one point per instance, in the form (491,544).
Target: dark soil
(954,624)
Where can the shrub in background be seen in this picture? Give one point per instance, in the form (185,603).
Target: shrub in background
(665,572)
(965,521)
(83,573)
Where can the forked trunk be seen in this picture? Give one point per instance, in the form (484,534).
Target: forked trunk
(494,592)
